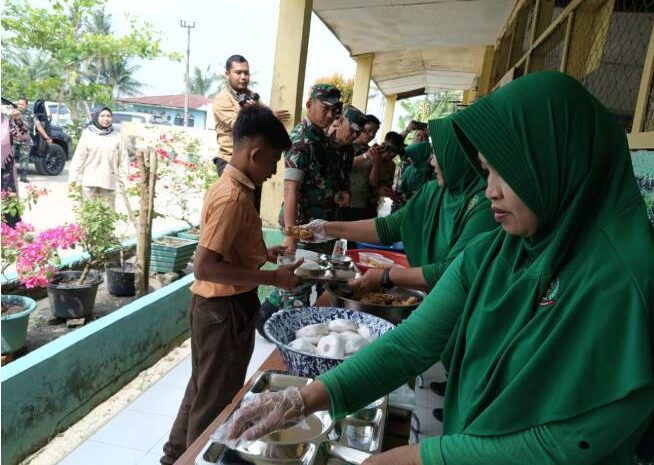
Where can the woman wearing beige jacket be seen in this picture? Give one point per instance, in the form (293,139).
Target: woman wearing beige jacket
(100,162)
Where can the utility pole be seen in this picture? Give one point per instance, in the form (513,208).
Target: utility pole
(188,27)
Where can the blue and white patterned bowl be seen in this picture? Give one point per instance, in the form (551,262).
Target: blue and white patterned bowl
(282,325)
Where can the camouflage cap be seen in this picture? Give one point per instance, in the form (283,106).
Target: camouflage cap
(355,117)
(326,93)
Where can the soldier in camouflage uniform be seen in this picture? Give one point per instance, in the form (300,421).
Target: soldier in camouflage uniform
(316,180)
(341,135)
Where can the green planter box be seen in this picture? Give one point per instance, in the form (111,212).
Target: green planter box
(194,236)
(170,253)
(172,243)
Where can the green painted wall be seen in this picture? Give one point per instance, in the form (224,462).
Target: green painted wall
(47,390)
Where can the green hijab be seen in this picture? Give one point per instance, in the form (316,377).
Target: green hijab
(560,323)
(443,213)
(416,170)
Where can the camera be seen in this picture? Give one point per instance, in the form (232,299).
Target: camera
(390,149)
(243,99)
(420,126)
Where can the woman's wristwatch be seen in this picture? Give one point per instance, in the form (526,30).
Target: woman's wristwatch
(386,282)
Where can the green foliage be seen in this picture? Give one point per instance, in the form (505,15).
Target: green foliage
(98,220)
(430,107)
(342,84)
(206,82)
(74,37)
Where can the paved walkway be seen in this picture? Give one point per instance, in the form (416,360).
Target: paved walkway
(137,434)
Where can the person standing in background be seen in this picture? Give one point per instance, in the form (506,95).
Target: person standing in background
(100,162)
(365,174)
(9,171)
(227,103)
(21,142)
(37,127)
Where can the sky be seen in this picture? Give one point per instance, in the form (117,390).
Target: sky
(223,28)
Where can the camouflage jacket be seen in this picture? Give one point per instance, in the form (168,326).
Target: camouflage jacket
(314,162)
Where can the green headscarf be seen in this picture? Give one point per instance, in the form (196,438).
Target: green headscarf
(416,170)
(561,323)
(443,213)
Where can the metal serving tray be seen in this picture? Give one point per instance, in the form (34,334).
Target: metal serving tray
(362,430)
(335,454)
(330,273)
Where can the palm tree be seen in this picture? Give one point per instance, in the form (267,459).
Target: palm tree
(430,107)
(202,83)
(120,76)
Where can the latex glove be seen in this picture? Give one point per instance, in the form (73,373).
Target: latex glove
(266,413)
(405,455)
(370,281)
(317,228)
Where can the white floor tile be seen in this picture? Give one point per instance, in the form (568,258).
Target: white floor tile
(160,399)
(136,430)
(158,447)
(179,375)
(136,435)
(96,453)
(151,459)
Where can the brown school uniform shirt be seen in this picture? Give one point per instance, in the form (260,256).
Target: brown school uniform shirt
(225,111)
(230,226)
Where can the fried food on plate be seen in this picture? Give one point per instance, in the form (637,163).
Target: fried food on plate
(298,233)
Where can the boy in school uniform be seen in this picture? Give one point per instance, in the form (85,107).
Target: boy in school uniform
(224,305)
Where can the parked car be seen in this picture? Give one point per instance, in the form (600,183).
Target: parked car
(121,116)
(50,160)
(58,113)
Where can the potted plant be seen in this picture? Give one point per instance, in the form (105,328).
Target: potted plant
(121,275)
(72,293)
(16,309)
(36,257)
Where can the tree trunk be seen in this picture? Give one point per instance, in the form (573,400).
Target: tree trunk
(148,170)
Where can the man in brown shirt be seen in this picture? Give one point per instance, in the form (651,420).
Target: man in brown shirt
(224,305)
(226,105)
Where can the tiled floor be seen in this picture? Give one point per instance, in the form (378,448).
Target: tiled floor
(137,434)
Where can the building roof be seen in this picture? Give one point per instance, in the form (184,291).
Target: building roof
(169,101)
(418,45)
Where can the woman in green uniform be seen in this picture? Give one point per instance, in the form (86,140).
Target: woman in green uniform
(545,325)
(434,226)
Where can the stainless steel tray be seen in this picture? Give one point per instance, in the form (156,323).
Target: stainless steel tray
(330,273)
(321,450)
(362,430)
(335,454)
(325,453)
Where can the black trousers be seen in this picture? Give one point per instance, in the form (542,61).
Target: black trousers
(220,166)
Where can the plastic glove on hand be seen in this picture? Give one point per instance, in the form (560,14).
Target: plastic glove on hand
(266,413)
(317,228)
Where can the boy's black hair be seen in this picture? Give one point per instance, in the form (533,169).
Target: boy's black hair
(258,120)
(234,59)
(372,119)
(22,98)
(394,139)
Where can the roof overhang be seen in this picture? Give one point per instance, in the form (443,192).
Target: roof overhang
(417,44)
